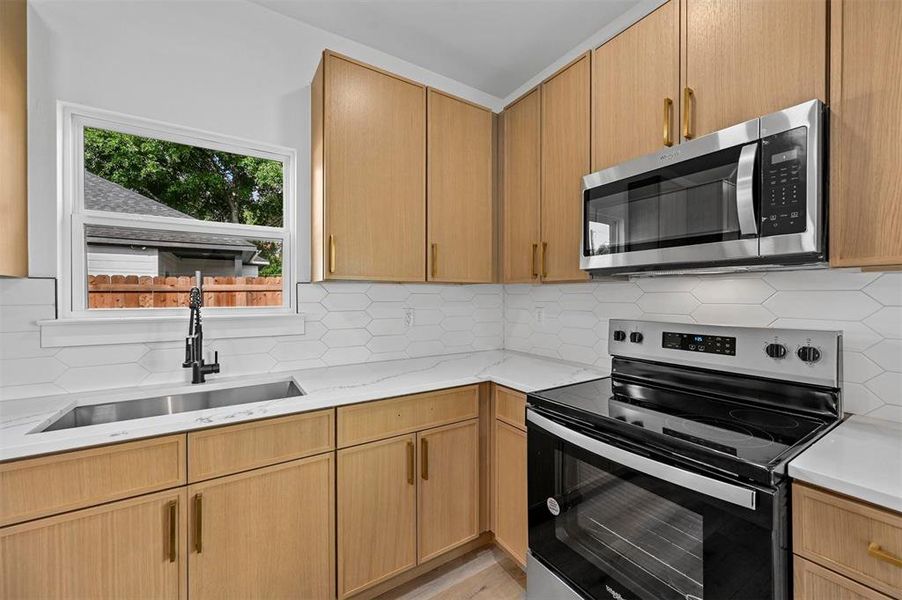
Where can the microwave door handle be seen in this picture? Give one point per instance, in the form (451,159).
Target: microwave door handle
(745,190)
(734,494)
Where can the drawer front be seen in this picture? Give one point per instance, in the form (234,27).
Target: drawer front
(226,450)
(386,418)
(510,406)
(39,487)
(813,582)
(849,537)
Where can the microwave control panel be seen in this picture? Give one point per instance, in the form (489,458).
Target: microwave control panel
(783,182)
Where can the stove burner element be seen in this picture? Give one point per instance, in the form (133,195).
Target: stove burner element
(762,418)
(723,432)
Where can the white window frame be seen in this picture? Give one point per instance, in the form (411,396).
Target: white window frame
(73,216)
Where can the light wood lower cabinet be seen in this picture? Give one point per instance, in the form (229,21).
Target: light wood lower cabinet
(128,549)
(448,502)
(377,517)
(813,582)
(267,533)
(510,490)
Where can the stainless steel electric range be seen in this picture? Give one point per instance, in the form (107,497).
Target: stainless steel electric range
(667,480)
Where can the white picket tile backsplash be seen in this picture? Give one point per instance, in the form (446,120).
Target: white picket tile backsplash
(571,321)
(345,323)
(349,322)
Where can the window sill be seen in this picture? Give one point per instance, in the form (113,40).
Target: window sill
(57,333)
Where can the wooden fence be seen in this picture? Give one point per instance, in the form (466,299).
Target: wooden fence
(141,291)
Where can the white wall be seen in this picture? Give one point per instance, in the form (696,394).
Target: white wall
(225,66)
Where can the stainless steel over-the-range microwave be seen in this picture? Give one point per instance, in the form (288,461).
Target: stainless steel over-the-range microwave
(749,195)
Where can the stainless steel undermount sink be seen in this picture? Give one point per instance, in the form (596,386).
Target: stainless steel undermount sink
(113,412)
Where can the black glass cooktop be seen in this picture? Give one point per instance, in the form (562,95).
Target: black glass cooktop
(719,432)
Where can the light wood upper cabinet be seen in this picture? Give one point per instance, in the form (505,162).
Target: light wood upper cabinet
(635,77)
(460,211)
(267,533)
(510,490)
(129,549)
(865,134)
(522,189)
(566,117)
(746,58)
(448,502)
(368,174)
(377,515)
(13,140)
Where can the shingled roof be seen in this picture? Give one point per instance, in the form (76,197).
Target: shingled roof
(103,194)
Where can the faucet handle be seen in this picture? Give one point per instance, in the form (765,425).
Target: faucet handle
(216,357)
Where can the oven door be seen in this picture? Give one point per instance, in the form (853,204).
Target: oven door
(616,523)
(695,203)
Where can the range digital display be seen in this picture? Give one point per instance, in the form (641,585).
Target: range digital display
(694,342)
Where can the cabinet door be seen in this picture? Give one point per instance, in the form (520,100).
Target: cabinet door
(448,504)
(460,215)
(128,549)
(636,89)
(521,189)
(267,533)
(13,140)
(865,134)
(746,58)
(510,490)
(377,519)
(375,173)
(566,118)
(813,582)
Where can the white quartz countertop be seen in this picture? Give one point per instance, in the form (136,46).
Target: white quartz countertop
(21,420)
(862,458)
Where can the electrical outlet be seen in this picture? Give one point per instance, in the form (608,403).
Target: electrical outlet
(540,314)
(408,318)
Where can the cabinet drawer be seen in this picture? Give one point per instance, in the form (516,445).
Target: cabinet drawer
(48,485)
(837,533)
(216,452)
(510,406)
(385,418)
(813,582)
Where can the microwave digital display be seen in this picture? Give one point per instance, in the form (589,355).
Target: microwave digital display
(694,342)
(784,156)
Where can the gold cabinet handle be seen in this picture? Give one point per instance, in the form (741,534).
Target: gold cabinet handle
(668,121)
(424,459)
(173,509)
(331,253)
(434,260)
(688,98)
(410,460)
(198,523)
(544,253)
(535,248)
(879,553)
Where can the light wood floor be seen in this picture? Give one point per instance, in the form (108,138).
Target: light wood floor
(484,574)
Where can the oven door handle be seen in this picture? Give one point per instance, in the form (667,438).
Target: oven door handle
(734,494)
(745,190)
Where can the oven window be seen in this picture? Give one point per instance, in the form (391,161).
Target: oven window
(689,203)
(614,532)
(620,525)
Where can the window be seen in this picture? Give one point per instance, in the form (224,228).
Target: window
(148,205)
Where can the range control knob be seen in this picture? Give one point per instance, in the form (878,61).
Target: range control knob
(809,354)
(636,337)
(619,335)
(775,350)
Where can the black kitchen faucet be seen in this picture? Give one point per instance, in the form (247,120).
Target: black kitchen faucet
(194,343)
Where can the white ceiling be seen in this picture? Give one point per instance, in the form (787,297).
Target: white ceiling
(494,46)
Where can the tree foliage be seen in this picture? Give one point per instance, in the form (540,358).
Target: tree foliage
(206,184)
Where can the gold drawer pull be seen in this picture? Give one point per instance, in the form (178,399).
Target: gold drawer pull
(331,253)
(410,459)
(879,553)
(544,253)
(535,248)
(434,260)
(688,97)
(198,523)
(424,448)
(173,529)
(668,121)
